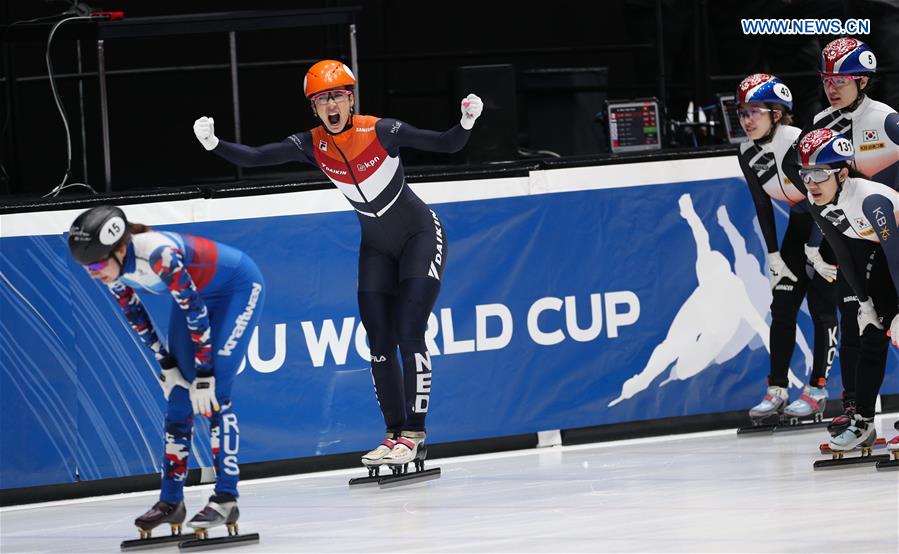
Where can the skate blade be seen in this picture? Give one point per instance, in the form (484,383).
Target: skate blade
(889,465)
(761,426)
(754,430)
(155,542)
(193,545)
(825,447)
(391,481)
(785,427)
(358,481)
(801,426)
(849,462)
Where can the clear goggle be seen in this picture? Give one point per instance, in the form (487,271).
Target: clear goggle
(816,175)
(838,81)
(752,113)
(338,96)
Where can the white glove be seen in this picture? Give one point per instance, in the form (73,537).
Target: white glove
(777,269)
(204,128)
(171,378)
(893,333)
(472,106)
(202,395)
(867,315)
(824,269)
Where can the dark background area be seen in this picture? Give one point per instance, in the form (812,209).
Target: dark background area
(409,58)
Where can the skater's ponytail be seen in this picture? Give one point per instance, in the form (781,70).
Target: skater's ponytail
(138,228)
(786,118)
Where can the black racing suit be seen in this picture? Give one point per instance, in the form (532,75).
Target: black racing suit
(761,167)
(403,250)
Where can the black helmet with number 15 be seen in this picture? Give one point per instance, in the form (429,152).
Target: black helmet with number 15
(96,233)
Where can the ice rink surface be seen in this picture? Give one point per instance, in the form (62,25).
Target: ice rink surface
(707,492)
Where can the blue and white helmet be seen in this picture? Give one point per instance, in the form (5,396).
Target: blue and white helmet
(847,56)
(823,146)
(761,87)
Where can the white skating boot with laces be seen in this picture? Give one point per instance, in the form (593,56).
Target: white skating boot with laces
(773,404)
(376,457)
(406,448)
(809,404)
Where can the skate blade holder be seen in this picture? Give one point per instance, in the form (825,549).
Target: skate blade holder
(755,430)
(838,460)
(403,469)
(783,427)
(147,540)
(824,447)
(762,425)
(374,475)
(889,465)
(203,542)
(818,417)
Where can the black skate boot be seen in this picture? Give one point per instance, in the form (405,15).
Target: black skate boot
(161,512)
(220,510)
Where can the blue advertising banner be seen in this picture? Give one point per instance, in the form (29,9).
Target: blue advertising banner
(559,309)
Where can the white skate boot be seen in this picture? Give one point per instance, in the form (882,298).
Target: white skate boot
(220,510)
(860,433)
(376,457)
(809,404)
(407,448)
(773,404)
(893,443)
(410,447)
(893,446)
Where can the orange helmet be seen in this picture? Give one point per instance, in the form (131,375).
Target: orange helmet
(325,75)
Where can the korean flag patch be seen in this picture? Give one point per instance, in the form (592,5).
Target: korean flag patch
(870,135)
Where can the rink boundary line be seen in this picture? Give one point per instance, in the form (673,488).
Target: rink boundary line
(538,182)
(356,471)
(438,461)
